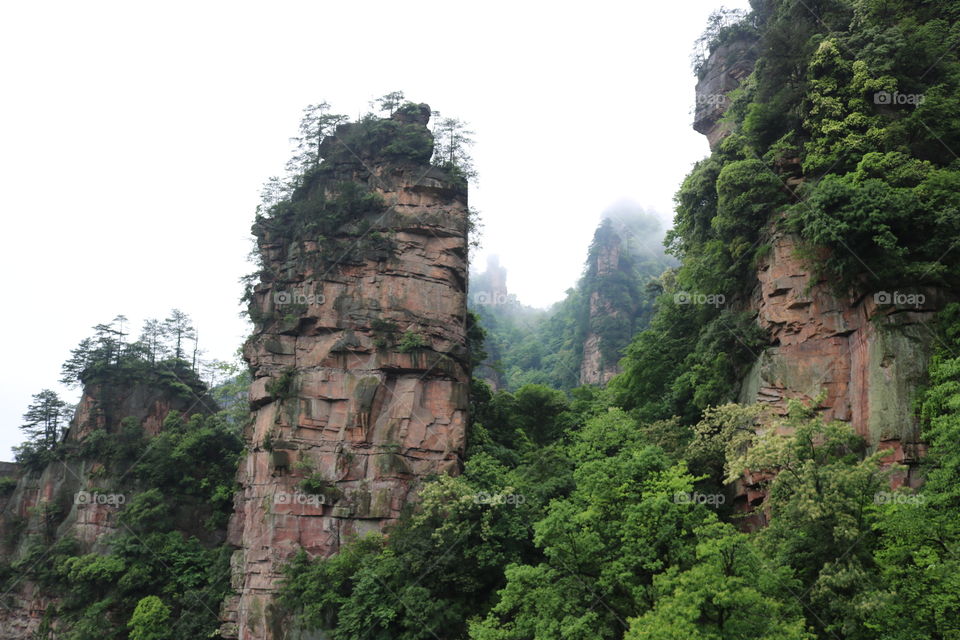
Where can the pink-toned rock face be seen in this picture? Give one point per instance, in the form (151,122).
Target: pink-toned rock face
(362,386)
(864,361)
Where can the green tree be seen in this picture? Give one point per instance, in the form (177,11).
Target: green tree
(730,593)
(620,526)
(452,146)
(45,420)
(152,338)
(178,329)
(389,103)
(316,124)
(822,516)
(918,553)
(150,620)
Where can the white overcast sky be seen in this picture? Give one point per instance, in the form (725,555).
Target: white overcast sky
(135,136)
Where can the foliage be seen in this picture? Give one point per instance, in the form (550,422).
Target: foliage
(821,516)
(44,419)
(918,552)
(410,341)
(692,357)
(178,487)
(150,620)
(159,357)
(731,591)
(603,544)
(456,542)
(723,25)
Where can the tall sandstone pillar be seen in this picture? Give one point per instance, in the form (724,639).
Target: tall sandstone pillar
(359,355)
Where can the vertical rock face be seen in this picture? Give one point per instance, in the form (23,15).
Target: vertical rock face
(865,358)
(598,366)
(359,358)
(495,283)
(723,72)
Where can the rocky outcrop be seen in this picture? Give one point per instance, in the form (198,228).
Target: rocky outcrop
(359,359)
(723,72)
(70,497)
(858,360)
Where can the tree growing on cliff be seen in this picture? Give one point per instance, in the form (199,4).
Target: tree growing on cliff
(273,192)
(389,103)
(44,421)
(315,125)
(452,142)
(162,345)
(178,328)
(722,26)
(151,337)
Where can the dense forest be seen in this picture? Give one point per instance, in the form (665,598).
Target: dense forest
(580,511)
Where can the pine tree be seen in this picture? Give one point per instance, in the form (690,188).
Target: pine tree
(151,336)
(44,421)
(316,124)
(81,358)
(178,328)
(389,103)
(452,146)
(274,191)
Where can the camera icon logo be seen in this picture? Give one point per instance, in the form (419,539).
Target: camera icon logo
(882,97)
(282,297)
(882,297)
(681,297)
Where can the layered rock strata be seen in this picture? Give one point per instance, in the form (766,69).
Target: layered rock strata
(359,358)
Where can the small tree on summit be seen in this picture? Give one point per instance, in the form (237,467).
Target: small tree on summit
(178,328)
(389,103)
(151,337)
(315,125)
(452,146)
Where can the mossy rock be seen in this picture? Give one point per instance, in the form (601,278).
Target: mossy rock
(365,392)
(393,464)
